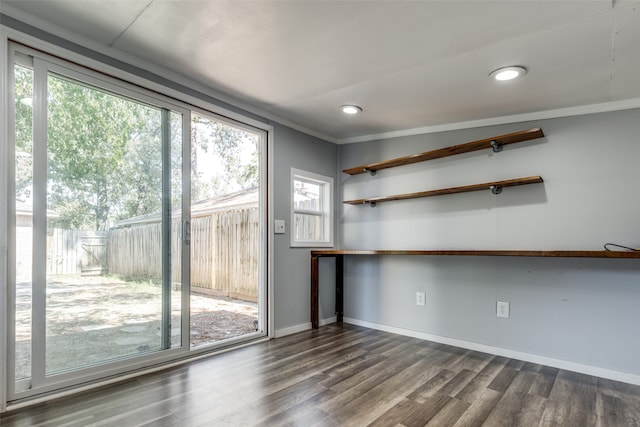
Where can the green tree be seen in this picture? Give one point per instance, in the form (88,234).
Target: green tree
(235,154)
(101,159)
(105,154)
(142,168)
(23,131)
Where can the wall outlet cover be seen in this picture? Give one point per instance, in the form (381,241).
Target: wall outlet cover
(502,309)
(421,298)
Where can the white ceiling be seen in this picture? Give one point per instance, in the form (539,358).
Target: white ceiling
(408,64)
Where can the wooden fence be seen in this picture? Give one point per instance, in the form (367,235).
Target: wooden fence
(307,227)
(69,252)
(136,251)
(224,252)
(76,252)
(236,253)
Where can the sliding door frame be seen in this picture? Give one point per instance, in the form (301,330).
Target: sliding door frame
(39,382)
(158,95)
(5,131)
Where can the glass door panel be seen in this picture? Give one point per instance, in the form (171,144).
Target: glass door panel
(23,102)
(173,269)
(105,226)
(225,224)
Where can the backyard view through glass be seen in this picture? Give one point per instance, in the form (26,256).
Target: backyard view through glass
(308,225)
(104,164)
(137,228)
(104,157)
(23,217)
(225,224)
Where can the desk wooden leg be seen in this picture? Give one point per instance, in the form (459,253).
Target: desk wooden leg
(314,292)
(339,288)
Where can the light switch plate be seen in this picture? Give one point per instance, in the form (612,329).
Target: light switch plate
(279,226)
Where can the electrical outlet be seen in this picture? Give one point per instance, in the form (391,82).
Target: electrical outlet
(502,309)
(421,298)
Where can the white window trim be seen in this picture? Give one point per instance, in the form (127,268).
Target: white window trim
(327,209)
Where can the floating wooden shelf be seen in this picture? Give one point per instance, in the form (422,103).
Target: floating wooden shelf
(495,143)
(511,253)
(495,187)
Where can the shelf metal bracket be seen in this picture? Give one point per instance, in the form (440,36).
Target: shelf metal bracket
(496,189)
(373,204)
(372,172)
(496,146)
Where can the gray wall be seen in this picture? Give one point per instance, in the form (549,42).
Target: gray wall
(578,310)
(292,265)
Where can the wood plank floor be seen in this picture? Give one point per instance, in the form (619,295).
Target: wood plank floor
(344,375)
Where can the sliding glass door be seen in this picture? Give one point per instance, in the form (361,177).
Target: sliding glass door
(225,230)
(137,227)
(88,159)
(104,165)
(23,220)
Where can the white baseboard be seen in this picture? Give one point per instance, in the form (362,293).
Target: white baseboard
(292,330)
(302,327)
(533,358)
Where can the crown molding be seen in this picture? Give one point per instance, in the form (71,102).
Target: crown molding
(604,107)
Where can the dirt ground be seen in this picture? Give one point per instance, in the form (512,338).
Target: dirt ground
(95,319)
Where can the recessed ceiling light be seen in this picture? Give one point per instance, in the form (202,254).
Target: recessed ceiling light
(350,109)
(508,73)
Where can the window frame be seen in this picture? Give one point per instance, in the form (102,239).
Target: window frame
(326,211)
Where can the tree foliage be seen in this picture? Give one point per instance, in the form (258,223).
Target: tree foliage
(104,154)
(102,151)
(224,158)
(23,132)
